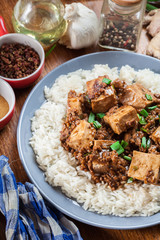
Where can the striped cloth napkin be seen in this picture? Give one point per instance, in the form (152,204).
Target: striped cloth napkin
(27,215)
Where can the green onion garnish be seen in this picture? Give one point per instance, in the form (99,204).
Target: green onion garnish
(117,147)
(91,117)
(120,150)
(106,80)
(96,124)
(152,0)
(127,158)
(148,143)
(144,130)
(152,108)
(149,97)
(88,99)
(100,115)
(144,113)
(50,50)
(143,144)
(150,7)
(130,180)
(124,144)
(86,154)
(141,120)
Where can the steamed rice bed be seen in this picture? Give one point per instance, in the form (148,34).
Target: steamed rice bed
(60,166)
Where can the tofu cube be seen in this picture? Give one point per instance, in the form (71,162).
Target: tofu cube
(93,86)
(82,136)
(122,118)
(104,144)
(135,95)
(74,104)
(145,167)
(104,102)
(156,136)
(100,102)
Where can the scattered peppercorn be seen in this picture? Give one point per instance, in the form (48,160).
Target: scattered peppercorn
(17,60)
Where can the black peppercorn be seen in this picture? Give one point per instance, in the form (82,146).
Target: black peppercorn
(122,22)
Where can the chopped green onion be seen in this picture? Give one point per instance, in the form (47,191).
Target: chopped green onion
(117,147)
(100,115)
(127,158)
(144,130)
(88,99)
(106,80)
(153,0)
(141,120)
(120,150)
(150,7)
(86,154)
(149,97)
(91,117)
(148,143)
(144,113)
(50,50)
(124,144)
(143,144)
(96,124)
(130,180)
(152,108)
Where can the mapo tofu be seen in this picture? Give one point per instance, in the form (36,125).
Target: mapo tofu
(113,131)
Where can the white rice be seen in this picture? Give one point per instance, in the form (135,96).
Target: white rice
(60,166)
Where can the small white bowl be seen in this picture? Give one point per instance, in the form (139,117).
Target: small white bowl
(7,92)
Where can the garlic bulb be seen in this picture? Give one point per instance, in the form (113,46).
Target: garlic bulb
(83,26)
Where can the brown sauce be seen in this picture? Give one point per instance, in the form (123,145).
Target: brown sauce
(4,107)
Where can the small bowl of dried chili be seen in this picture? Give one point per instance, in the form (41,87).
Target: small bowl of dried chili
(7,103)
(21,58)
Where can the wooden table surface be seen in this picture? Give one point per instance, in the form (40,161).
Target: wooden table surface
(8,144)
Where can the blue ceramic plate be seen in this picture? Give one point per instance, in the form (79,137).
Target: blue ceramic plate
(35,100)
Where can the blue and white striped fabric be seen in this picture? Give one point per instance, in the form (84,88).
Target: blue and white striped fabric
(27,215)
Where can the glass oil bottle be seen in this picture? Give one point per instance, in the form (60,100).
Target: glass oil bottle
(40,19)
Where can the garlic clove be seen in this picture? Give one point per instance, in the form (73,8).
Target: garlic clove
(83,27)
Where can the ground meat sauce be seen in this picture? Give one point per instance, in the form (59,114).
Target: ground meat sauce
(93,152)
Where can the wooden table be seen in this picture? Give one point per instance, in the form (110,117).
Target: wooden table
(8,144)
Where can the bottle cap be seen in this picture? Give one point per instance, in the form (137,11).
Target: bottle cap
(126,2)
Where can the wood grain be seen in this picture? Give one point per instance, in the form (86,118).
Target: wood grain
(8,144)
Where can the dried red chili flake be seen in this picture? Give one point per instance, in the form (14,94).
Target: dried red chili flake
(17,60)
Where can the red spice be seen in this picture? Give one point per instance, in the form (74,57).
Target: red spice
(18,60)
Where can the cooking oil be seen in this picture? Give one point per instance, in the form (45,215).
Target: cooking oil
(41,19)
